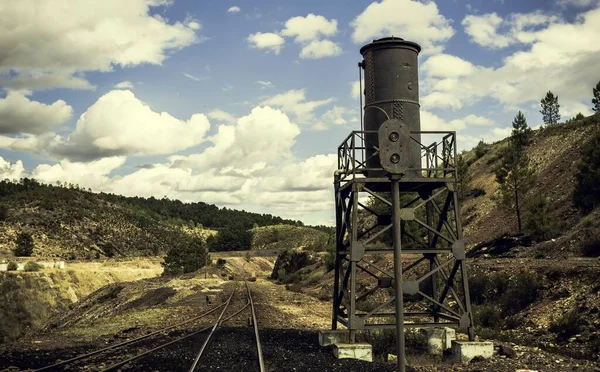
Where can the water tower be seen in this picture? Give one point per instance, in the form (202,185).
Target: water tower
(396,195)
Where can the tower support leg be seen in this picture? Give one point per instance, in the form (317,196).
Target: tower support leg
(401,361)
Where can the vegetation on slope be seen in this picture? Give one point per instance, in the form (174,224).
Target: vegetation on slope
(289,237)
(549,210)
(69,222)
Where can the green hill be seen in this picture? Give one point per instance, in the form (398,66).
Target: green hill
(69,222)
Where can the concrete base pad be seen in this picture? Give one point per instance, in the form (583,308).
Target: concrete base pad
(331,337)
(359,350)
(464,351)
(438,339)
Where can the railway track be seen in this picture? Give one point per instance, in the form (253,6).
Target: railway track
(171,348)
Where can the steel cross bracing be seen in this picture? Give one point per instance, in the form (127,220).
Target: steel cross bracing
(434,272)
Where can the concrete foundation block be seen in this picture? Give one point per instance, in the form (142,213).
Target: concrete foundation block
(449,337)
(359,350)
(464,351)
(331,337)
(436,340)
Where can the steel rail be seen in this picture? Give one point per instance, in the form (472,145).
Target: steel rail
(138,356)
(116,346)
(214,328)
(261,363)
(117,365)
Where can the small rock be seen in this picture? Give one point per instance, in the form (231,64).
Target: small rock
(507,351)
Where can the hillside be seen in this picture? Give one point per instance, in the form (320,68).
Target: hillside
(68,222)
(288,237)
(554,153)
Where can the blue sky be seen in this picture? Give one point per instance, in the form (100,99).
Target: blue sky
(243,104)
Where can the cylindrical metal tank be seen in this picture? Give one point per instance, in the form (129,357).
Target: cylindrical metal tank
(391,92)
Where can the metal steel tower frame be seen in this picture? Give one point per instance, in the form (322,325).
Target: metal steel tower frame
(423,217)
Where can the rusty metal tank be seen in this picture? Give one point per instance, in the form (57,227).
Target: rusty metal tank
(391,91)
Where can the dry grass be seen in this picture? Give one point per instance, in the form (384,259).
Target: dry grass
(29,299)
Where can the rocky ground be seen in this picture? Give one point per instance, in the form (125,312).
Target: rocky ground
(289,322)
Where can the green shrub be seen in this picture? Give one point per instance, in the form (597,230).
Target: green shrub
(186,256)
(330,258)
(232,238)
(12,266)
(591,247)
(566,326)
(512,321)
(32,266)
(586,195)
(487,287)
(481,149)
(539,224)
(489,316)
(25,245)
(415,340)
(477,192)
(3,212)
(521,292)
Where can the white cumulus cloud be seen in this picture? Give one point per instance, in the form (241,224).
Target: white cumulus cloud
(267,40)
(492,31)
(311,32)
(42,53)
(264,135)
(234,9)
(320,49)
(309,28)
(11,171)
(19,114)
(416,21)
(554,55)
(124,85)
(120,124)
(294,102)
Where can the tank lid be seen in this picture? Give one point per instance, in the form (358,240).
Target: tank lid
(390,42)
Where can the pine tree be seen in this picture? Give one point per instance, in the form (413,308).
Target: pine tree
(550,108)
(514,175)
(596,98)
(521,133)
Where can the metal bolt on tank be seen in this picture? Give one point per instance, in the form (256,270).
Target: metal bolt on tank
(412,174)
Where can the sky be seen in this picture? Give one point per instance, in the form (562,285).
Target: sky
(243,103)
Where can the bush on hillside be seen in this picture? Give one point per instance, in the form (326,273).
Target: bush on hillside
(12,266)
(233,238)
(523,290)
(477,192)
(481,149)
(3,212)
(508,295)
(591,247)
(186,256)
(32,266)
(489,316)
(587,179)
(539,224)
(25,245)
(566,326)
